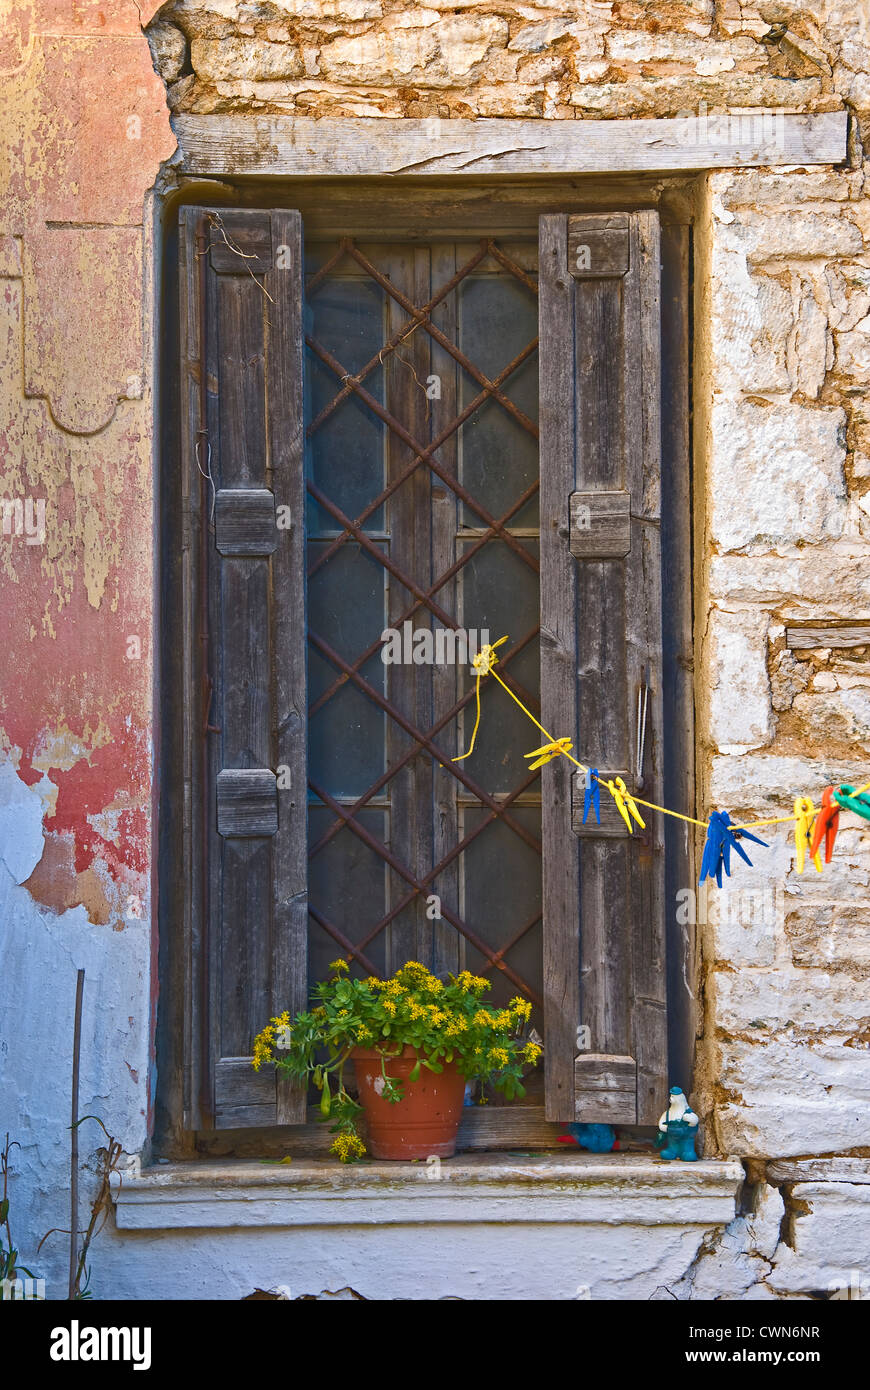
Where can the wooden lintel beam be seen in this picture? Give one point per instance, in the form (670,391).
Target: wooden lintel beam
(299,146)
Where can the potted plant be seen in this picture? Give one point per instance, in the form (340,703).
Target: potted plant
(415,1041)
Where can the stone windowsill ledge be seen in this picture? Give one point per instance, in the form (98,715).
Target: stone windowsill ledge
(614,1189)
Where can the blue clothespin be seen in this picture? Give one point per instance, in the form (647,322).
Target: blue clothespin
(721,839)
(591,794)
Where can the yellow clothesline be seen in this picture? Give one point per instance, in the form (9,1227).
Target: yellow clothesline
(483,664)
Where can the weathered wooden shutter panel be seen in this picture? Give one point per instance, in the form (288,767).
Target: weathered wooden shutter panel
(601,642)
(244,597)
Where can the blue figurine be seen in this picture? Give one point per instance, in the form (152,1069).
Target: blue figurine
(678,1127)
(721,839)
(598,1139)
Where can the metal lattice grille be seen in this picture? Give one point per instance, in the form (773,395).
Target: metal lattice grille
(390,457)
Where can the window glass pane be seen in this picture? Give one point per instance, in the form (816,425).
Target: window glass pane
(347,885)
(500,593)
(346,609)
(498,319)
(501,896)
(345,316)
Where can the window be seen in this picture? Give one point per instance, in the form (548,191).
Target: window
(360,430)
(426,429)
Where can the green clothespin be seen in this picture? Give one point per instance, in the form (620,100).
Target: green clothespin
(859,802)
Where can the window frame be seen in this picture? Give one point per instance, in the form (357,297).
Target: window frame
(456,207)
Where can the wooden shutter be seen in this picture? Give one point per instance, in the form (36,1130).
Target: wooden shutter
(245,689)
(601,642)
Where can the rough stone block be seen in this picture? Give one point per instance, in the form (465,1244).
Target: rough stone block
(786,236)
(752,319)
(736,658)
(223,60)
(535,38)
(776,474)
(765,783)
(831,934)
(792,581)
(168,49)
(669,96)
(831,1234)
(762,188)
(841,716)
(712,56)
(853,352)
(811,1002)
(793,1097)
(429,55)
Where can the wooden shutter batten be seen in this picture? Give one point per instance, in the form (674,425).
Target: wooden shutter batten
(601,624)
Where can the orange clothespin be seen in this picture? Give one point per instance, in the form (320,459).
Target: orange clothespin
(625,803)
(548,751)
(804,811)
(826,826)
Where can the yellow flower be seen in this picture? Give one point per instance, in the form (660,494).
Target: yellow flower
(265,1040)
(498,1056)
(390,1006)
(348,1147)
(471,984)
(531,1052)
(338,965)
(482,1019)
(522,1008)
(262,1049)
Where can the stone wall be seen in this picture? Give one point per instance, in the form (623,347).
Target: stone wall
(466,58)
(782,457)
(785,539)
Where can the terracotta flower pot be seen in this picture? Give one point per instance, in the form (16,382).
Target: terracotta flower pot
(424,1122)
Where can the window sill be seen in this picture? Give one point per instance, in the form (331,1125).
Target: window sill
(612,1189)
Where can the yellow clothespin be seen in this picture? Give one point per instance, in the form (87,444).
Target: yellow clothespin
(624,803)
(804,816)
(548,751)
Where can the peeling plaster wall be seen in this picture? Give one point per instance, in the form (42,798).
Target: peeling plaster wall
(85,130)
(782,448)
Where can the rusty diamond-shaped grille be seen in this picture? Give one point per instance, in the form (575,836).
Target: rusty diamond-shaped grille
(422,478)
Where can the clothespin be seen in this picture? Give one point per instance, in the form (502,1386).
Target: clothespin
(591,795)
(624,803)
(548,751)
(721,839)
(804,811)
(827,825)
(850,800)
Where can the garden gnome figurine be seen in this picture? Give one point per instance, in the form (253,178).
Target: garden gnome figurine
(678,1127)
